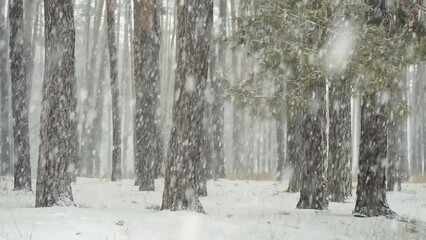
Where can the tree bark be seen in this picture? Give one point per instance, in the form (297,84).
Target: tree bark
(295,150)
(5,146)
(115,92)
(19,97)
(58,118)
(182,180)
(313,193)
(371,190)
(339,167)
(147,79)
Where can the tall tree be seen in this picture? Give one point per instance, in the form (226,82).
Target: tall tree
(19,97)
(218,105)
(146,47)
(88,145)
(58,118)
(313,192)
(181,184)
(115,92)
(5,146)
(126,85)
(371,188)
(339,176)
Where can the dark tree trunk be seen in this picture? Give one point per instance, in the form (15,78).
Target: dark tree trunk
(295,150)
(146,47)
(19,97)
(159,145)
(371,189)
(182,180)
(58,128)
(5,146)
(115,92)
(313,193)
(340,157)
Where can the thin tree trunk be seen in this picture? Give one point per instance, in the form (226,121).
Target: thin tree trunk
(218,105)
(19,97)
(280,122)
(88,145)
(5,144)
(57,128)
(97,132)
(159,145)
(125,84)
(31,12)
(115,92)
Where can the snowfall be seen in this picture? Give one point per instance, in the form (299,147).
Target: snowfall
(235,210)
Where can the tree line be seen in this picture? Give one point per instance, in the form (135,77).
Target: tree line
(177,71)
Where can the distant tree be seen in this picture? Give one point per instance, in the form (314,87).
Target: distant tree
(218,157)
(58,118)
(182,179)
(115,92)
(20,99)
(93,38)
(5,140)
(147,79)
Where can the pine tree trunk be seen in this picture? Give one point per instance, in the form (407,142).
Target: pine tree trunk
(181,184)
(313,193)
(19,97)
(115,92)
(295,150)
(147,79)
(339,172)
(218,106)
(5,146)
(125,86)
(57,130)
(371,189)
(159,144)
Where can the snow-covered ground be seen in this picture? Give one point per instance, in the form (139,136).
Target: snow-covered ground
(235,210)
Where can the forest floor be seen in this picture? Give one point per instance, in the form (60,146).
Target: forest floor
(235,210)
